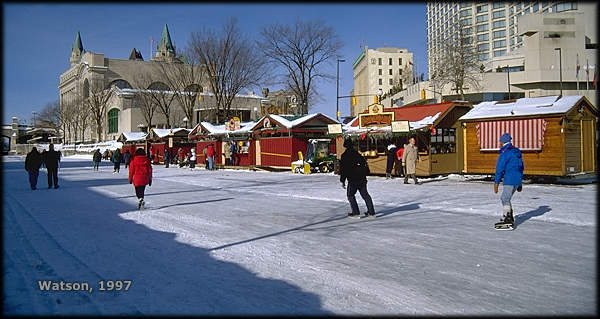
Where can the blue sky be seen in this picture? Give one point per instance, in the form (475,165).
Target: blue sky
(38,38)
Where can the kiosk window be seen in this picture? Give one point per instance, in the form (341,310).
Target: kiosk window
(444,141)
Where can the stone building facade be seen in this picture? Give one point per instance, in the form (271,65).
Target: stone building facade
(123,114)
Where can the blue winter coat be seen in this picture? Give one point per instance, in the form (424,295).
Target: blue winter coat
(510,166)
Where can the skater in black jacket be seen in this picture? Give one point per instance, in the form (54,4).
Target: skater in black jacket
(51,158)
(32,166)
(353,167)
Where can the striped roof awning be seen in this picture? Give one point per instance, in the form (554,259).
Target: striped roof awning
(526,134)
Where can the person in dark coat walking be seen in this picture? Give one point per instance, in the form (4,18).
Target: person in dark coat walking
(166,157)
(51,158)
(127,158)
(116,159)
(140,174)
(32,166)
(353,167)
(509,169)
(391,159)
(97,158)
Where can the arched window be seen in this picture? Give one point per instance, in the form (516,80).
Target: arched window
(121,84)
(86,89)
(113,121)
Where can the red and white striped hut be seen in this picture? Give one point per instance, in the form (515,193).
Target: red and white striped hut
(555,134)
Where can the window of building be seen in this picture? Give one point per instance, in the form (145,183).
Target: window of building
(519,39)
(483,37)
(467,31)
(390,61)
(380,71)
(560,7)
(499,53)
(483,47)
(512,41)
(526,10)
(380,81)
(399,71)
(482,18)
(379,61)
(511,21)
(499,34)
(545,4)
(512,10)
(391,72)
(483,57)
(499,14)
(391,82)
(443,141)
(465,4)
(512,31)
(545,10)
(467,40)
(519,6)
(482,8)
(483,27)
(113,121)
(499,44)
(536,7)
(466,13)
(399,61)
(499,24)
(497,5)
(468,21)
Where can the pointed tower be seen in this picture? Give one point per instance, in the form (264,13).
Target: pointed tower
(136,55)
(165,51)
(77,50)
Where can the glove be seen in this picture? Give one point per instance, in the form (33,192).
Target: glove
(130,182)
(495,188)
(150,183)
(343,185)
(520,188)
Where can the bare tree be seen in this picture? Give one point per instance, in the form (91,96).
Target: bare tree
(232,63)
(96,101)
(301,50)
(185,80)
(162,96)
(456,62)
(145,102)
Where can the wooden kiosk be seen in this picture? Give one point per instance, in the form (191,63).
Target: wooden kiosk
(173,139)
(202,136)
(435,127)
(132,141)
(279,138)
(556,135)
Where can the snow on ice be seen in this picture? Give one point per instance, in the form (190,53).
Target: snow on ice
(233,242)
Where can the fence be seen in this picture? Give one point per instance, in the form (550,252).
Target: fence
(69,149)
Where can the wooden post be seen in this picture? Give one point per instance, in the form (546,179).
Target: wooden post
(581,144)
(464,148)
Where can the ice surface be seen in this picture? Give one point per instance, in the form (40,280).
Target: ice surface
(261,243)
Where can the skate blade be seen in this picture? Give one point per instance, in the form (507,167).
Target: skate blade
(504,227)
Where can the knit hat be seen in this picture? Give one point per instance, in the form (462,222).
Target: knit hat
(348,143)
(505,138)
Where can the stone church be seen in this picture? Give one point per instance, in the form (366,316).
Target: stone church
(90,70)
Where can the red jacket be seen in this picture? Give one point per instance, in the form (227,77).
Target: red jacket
(399,153)
(140,171)
(210,151)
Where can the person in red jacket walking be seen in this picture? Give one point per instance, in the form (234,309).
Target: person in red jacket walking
(210,153)
(140,174)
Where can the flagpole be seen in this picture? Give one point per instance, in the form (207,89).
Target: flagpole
(587,75)
(577,73)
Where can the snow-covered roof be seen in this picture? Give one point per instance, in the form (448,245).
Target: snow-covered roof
(162,132)
(245,127)
(523,107)
(134,136)
(293,123)
(128,90)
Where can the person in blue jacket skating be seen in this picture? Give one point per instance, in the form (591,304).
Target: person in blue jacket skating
(510,168)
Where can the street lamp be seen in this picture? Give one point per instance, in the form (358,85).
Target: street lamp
(379,94)
(560,69)
(255,110)
(337,91)
(185,120)
(34,113)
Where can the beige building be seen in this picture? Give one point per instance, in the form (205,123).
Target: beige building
(379,69)
(492,27)
(535,67)
(89,70)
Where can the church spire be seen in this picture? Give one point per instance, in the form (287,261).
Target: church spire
(165,41)
(76,50)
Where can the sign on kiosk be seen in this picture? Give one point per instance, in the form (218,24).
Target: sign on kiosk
(334,128)
(400,126)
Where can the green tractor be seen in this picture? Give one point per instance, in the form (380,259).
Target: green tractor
(317,160)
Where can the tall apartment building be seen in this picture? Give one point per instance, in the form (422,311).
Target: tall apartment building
(490,26)
(382,68)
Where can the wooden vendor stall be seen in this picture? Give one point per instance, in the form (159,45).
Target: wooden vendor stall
(245,145)
(132,141)
(557,136)
(173,139)
(279,138)
(202,135)
(434,126)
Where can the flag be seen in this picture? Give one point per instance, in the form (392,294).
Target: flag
(595,72)
(587,72)
(577,68)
